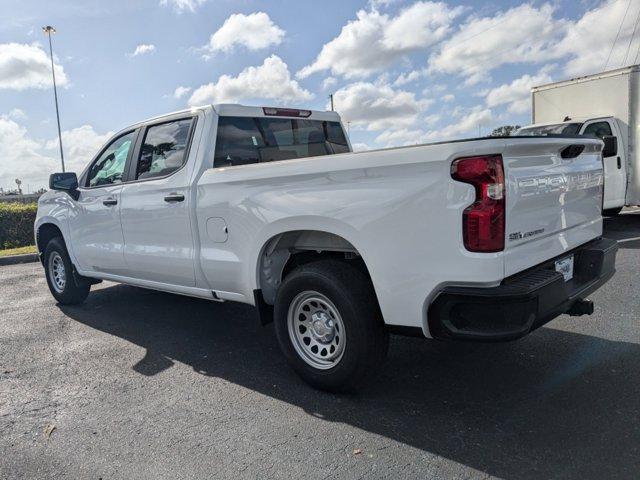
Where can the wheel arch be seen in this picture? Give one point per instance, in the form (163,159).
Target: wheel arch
(45,232)
(285,250)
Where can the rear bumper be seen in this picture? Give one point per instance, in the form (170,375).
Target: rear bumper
(522,302)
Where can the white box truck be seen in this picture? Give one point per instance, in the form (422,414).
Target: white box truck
(603,105)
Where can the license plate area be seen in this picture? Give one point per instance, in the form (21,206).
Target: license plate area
(565,267)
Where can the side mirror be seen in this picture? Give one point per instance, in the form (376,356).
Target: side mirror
(610,146)
(65,182)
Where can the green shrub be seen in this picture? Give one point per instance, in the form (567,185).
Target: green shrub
(16,224)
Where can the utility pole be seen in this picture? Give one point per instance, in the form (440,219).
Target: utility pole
(48,30)
(331,98)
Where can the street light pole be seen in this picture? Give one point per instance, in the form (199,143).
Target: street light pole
(48,30)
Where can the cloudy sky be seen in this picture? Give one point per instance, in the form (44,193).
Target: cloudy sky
(401,71)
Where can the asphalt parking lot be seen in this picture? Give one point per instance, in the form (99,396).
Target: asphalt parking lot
(140,384)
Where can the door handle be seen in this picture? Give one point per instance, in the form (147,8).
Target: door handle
(619,163)
(174,197)
(109,202)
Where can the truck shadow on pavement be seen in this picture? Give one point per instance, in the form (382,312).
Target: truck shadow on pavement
(555,404)
(625,228)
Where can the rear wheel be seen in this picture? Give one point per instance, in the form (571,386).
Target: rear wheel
(67,287)
(329,325)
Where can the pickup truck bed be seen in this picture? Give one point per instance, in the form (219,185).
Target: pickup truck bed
(457,240)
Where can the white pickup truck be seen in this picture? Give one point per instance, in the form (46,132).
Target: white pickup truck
(483,239)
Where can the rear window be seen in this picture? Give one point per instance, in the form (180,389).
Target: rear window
(559,129)
(245,140)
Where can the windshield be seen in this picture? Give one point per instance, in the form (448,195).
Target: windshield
(557,129)
(245,140)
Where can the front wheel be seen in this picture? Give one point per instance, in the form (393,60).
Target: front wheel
(329,325)
(67,288)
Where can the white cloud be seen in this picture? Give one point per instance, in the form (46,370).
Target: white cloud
(17,114)
(181,91)
(143,49)
(374,41)
(589,40)
(80,145)
(450,97)
(467,122)
(329,82)
(255,31)
(27,66)
(360,147)
(523,34)
(182,5)
(356,51)
(419,26)
(530,34)
(517,94)
(378,106)
(32,161)
(409,77)
(381,3)
(20,156)
(271,80)
(474,121)
(432,119)
(403,136)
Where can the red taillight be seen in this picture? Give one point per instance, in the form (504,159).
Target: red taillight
(483,221)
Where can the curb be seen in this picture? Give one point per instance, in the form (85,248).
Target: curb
(15,259)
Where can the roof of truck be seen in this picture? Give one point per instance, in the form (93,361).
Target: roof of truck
(238,110)
(586,78)
(571,120)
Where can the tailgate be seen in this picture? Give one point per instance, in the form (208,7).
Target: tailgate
(554,198)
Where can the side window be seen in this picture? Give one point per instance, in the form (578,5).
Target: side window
(163,149)
(335,136)
(597,129)
(109,167)
(238,142)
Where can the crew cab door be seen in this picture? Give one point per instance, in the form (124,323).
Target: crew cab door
(94,219)
(155,205)
(615,175)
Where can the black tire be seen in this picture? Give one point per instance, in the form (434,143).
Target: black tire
(75,288)
(612,212)
(366,340)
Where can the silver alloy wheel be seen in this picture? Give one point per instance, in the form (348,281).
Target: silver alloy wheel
(57,272)
(316,330)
